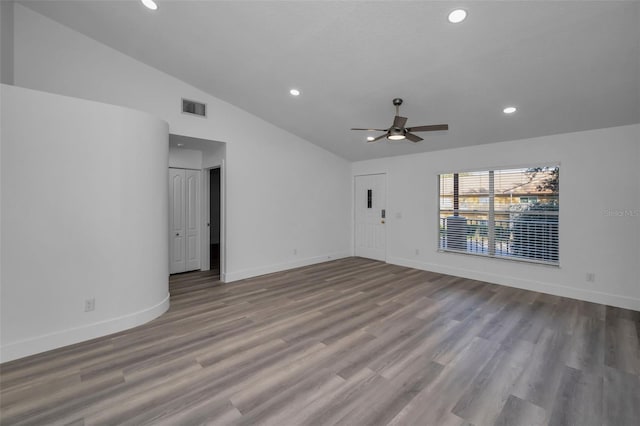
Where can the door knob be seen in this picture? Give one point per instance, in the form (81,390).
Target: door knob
(177,234)
(382,221)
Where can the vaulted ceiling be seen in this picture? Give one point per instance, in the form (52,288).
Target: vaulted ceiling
(566,65)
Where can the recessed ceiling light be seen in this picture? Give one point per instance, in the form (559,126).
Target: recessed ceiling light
(457,16)
(509,110)
(150,4)
(370,138)
(294,92)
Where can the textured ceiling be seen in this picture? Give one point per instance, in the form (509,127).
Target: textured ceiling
(567,66)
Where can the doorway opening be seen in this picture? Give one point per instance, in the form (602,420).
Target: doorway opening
(207,157)
(214,220)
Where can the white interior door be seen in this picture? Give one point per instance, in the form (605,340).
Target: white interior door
(177,223)
(184,220)
(370,211)
(192,214)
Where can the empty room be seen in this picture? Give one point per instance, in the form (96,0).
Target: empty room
(421,213)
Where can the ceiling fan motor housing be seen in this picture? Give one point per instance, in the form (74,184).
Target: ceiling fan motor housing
(397,101)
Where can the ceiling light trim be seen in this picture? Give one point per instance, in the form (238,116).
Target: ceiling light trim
(456,16)
(150,4)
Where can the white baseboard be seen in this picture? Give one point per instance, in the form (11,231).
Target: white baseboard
(70,336)
(517,282)
(250,273)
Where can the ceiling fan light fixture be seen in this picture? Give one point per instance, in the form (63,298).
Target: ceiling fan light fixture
(398,137)
(150,4)
(457,16)
(396,134)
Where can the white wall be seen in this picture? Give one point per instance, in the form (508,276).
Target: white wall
(282,192)
(185,158)
(84,215)
(213,157)
(599,172)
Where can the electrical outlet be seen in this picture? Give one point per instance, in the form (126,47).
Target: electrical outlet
(90,304)
(591,277)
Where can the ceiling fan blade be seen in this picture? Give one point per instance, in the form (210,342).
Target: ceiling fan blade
(378,138)
(371,130)
(431,128)
(412,137)
(399,121)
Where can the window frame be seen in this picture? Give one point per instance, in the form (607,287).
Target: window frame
(529,261)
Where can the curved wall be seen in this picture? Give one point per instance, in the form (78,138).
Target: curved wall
(84,215)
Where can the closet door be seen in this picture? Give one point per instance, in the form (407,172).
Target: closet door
(184,220)
(192,215)
(177,222)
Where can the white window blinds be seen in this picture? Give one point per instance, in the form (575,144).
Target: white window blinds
(511,214)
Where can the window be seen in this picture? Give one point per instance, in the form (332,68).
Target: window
(510,214)
(527,200)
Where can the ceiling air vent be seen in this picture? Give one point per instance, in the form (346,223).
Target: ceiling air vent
(194,108)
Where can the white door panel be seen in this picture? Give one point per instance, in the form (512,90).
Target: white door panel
(370,209)
(193,220)
(177,231)
(184,220)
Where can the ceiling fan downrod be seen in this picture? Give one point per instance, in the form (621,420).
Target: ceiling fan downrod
(397,102)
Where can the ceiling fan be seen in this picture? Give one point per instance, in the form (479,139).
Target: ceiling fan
(397,131)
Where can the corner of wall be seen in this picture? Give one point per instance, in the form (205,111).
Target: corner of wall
(270,269)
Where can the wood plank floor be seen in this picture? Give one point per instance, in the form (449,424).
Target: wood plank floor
(350,342)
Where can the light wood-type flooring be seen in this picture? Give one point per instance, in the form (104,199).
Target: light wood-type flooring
(351,342)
